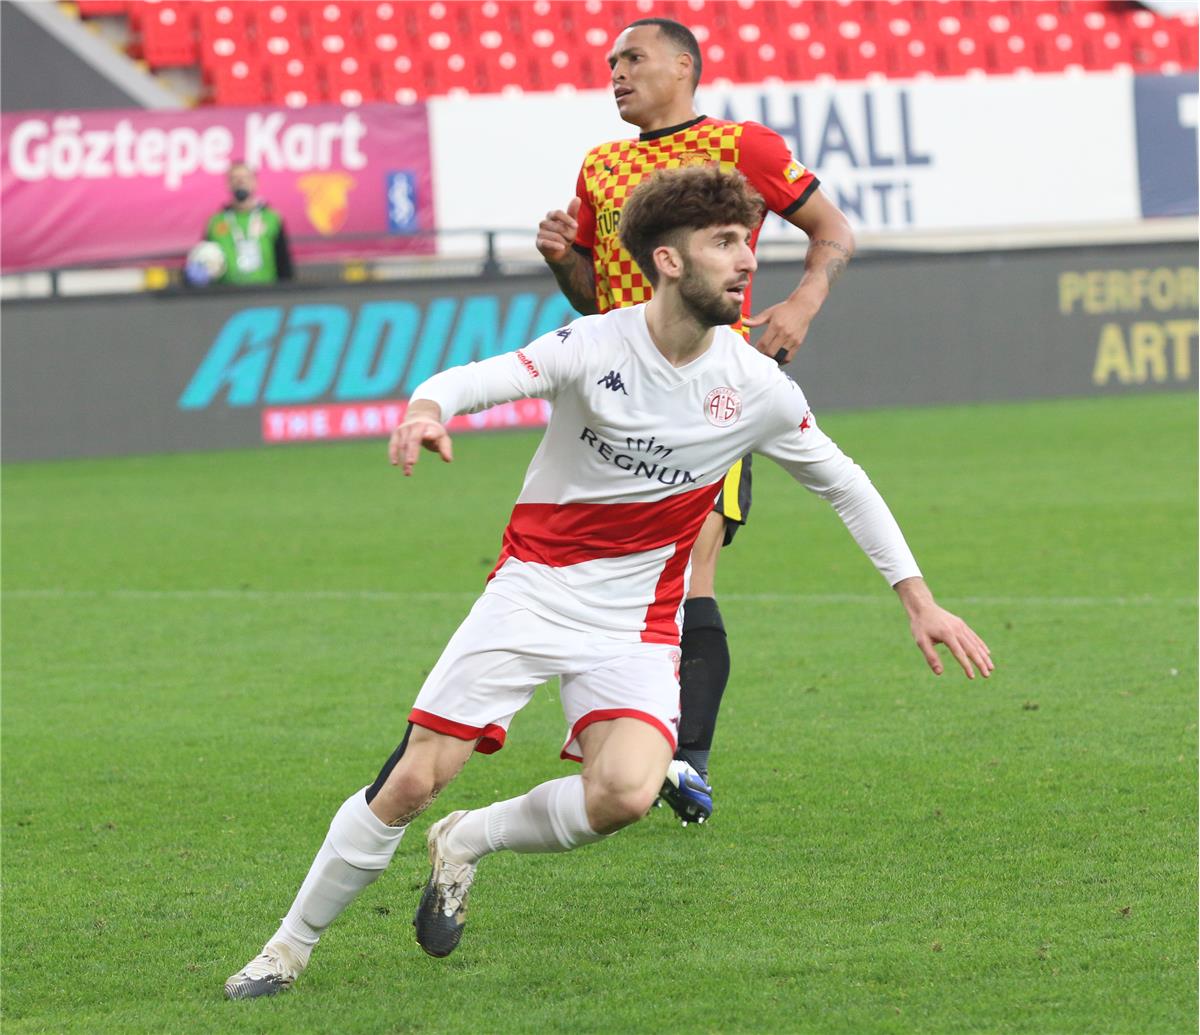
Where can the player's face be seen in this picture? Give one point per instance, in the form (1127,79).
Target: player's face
(647,74)
(717,266)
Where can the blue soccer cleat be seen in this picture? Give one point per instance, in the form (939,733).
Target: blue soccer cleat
(686,792)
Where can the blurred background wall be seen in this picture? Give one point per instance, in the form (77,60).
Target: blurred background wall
(1021,175)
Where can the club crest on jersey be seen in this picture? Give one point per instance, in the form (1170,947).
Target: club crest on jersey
(723,407)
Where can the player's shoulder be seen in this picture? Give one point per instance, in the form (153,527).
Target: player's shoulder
(744,356)
(606,150)
(755,134)
(753,370)
(614,324)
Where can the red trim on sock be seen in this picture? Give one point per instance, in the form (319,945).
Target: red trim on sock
(604,715)
(491,737)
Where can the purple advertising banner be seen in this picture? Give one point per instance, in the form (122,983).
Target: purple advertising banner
(101,186)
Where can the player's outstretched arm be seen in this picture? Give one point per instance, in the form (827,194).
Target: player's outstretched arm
(422,427)
(932,624)
(573,270)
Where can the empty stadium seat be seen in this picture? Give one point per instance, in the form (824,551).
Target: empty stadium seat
(163,34)
(403,50)
(238,82)
(102,8)
(348,81)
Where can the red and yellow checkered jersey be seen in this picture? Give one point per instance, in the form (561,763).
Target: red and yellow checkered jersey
(611,171)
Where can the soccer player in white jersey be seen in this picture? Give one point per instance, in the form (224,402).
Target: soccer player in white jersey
(652,404)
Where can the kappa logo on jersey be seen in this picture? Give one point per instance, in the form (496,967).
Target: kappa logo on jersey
(563,332)
(806,423)
(612,380)
(723,407)
(528,364)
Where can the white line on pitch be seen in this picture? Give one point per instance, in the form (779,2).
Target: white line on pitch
(1146,600)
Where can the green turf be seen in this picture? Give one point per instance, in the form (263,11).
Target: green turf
(204,654)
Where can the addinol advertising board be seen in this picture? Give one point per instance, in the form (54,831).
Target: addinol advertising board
(236,368)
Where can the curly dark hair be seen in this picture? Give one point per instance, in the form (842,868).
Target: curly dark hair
(666,206)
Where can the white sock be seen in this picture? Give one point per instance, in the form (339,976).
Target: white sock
(356,851)
(550,818)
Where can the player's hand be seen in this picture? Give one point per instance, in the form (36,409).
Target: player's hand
(787,326)
(416,432)
(934,625)
(556,233)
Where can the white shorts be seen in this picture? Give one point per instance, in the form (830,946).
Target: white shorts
(503,652)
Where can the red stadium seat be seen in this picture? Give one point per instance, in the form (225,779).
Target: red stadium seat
(293,79)
(908,55)
(438,19)
(504,70)
(225,35)
(238,82)
(102,8)
(387,16)
(225,19)
(1157,44)
(280,29)
(334,29)
(418,48)
(348,81)
(863,48)
(402,79)
(163,34)
(1007,49)
(596,23)
(453,73)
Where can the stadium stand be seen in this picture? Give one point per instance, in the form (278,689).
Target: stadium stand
(297,53)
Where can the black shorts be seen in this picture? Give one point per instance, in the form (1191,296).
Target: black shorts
(733,502)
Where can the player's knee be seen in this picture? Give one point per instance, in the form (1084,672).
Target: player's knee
(615,804)
(409,787)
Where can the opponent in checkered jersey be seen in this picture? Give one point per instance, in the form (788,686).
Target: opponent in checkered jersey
(655,68)
(651,404)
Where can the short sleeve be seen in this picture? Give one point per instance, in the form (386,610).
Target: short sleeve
(767,163)
(585,236)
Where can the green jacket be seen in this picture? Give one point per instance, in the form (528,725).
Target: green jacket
(258,239)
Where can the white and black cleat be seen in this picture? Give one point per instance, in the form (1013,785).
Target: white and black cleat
(272,971)
(442,912)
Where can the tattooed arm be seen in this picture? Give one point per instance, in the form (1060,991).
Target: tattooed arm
(577,280)
(571,267)
(830,247)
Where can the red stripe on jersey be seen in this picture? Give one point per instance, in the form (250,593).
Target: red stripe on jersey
(661,615)
(603,715)
(491,737)
(561,534)
(558,534)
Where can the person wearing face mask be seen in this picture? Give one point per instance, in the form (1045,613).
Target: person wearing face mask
(250,234)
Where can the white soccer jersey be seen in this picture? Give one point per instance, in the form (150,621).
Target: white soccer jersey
(632,459)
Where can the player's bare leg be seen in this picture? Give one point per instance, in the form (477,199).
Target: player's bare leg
(703,673)
(362,839)
(623,765)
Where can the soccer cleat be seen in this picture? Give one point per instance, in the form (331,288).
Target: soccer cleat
(442,912)
(270,972)
(687,793)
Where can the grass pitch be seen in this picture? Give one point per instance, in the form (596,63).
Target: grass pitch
(204,654)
